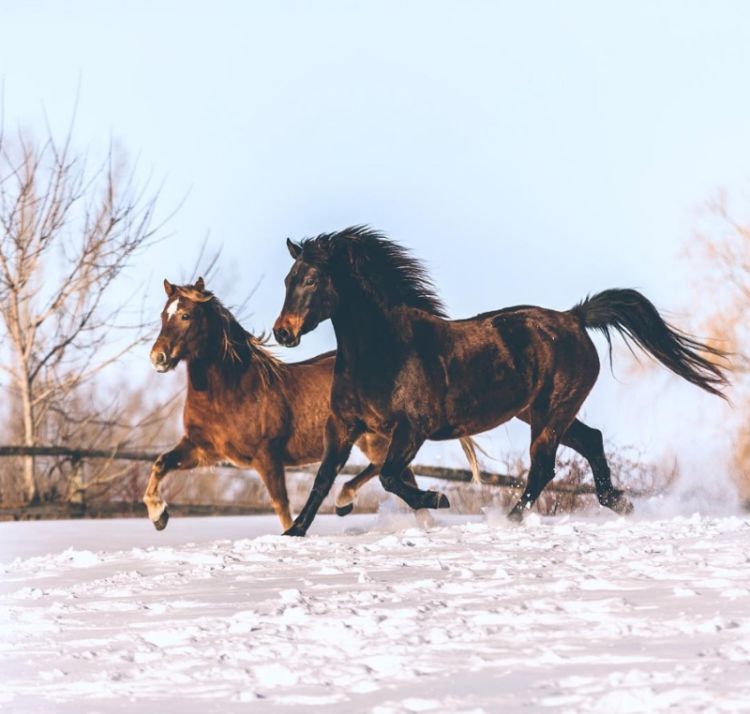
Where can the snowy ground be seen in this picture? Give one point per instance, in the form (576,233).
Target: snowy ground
(373,614)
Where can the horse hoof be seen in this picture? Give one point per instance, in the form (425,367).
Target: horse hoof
(618,502)
(623,506)
(161,522)
(295,531)
(516,515)
(424,519)
(441,501)
(344,510)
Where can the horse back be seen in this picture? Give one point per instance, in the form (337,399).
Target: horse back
(529,341)
(486,369)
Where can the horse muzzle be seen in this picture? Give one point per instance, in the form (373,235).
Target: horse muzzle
(288,331)
(161,361)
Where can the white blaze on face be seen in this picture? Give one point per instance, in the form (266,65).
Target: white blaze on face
(172,308)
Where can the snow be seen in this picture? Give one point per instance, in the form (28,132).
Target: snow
(373,613)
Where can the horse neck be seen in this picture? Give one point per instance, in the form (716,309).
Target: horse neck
(365,331)
(206,377)
(216,374)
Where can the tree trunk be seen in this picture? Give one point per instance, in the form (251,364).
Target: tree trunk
(30,488)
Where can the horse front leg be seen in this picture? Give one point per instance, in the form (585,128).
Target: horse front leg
(270,467)
(339,440)
(348,493)
(184,456)
(375,448)
(403,448)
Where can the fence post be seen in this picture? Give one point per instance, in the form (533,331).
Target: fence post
(76,487)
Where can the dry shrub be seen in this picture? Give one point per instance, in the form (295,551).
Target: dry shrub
(741,470)
(629,471)
(719,253)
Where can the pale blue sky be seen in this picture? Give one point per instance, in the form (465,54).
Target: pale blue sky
(528,152)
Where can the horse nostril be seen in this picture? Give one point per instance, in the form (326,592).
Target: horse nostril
(282,335)
(160,358)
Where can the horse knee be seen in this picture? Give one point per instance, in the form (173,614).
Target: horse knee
(159,467)
(544,446)
(544,458)
(389,481)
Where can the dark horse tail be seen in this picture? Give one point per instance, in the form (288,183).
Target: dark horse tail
(636,319)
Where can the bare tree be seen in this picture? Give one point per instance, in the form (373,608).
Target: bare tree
(66,235)
(720,254)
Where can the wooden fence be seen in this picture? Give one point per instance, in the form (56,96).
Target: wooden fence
(444,473)
(78,508)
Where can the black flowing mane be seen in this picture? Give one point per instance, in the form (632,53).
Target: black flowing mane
(383,269)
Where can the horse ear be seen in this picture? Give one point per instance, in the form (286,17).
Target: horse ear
(200,286)
(168,288)
(294,248)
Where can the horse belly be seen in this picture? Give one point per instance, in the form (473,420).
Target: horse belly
(469,414)
(482,393)
(240,457)
(230,433)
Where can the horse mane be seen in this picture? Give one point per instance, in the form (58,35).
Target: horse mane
(238,346)
(384,269)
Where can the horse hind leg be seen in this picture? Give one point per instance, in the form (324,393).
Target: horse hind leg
(588,442)
(549,422)
(542,471)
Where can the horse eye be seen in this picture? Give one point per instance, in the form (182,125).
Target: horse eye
(310,281)
(185,316)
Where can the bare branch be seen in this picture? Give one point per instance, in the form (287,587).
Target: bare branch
(67,233)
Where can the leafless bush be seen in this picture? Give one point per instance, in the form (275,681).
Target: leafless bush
(630,471)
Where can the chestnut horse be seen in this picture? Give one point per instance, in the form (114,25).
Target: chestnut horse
(406,373)
(246,407)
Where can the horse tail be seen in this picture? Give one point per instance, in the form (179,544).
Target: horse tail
(637,320)
(470,448)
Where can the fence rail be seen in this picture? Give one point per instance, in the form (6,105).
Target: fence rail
(79,507)
(443,473)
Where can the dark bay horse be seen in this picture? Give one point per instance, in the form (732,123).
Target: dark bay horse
(246,407)
(407,374)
